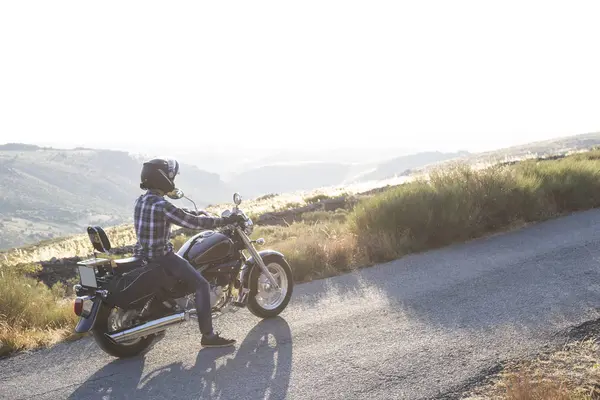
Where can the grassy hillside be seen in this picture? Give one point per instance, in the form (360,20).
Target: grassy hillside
(403,165)
(49,193)
(460,204)
(450,206)
(538,149)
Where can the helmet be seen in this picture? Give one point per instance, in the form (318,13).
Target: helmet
(159,174)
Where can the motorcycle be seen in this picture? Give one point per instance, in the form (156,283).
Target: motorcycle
(128,304)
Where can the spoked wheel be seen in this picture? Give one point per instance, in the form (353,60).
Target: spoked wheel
(266,301)
(113,319)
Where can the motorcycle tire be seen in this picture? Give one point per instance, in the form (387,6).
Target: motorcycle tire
(115,349)
(253,304)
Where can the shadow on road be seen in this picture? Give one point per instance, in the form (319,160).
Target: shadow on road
(260,369)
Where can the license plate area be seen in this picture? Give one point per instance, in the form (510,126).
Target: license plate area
(87,271)
(87,276)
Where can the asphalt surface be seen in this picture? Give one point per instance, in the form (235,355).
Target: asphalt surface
(422,327)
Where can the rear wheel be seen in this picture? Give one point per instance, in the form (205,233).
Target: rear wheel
(264,300)
(114,319)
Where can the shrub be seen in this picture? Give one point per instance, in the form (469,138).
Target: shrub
(314,250)
(340,215)
(266,197)
(31,314)
(461,204)
(316,198)
(290,205)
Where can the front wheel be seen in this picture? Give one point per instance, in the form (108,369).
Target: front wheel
(264,301)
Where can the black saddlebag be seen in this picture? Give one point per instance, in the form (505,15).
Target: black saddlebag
(132,289)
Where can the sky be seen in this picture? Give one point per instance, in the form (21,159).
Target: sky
(218,76)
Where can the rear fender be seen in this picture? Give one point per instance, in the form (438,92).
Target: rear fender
(252,263)
(86,324)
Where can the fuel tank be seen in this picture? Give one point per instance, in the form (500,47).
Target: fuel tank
(207,247)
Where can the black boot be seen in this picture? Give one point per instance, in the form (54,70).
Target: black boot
(215,340)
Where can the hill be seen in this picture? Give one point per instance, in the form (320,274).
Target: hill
(50,193)
(284,178)
(540,148)
(53,192)
(403,165)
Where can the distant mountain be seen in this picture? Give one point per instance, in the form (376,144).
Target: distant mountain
(402,165)
(541,148)
(341,155)
(53,192)
(288,178)
(50,192)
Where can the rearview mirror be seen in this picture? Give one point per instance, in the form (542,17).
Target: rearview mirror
(176,194)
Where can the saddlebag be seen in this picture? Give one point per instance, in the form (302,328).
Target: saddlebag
(133,289)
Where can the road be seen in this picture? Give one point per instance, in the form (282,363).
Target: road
(423,327)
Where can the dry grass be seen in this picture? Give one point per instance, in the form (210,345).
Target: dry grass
(31,314)
(461,204)
(314,249)
(77,245)
(571,373)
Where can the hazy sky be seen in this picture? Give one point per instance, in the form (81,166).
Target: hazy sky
(419,74)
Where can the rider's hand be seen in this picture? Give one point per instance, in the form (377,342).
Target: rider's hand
(233,219)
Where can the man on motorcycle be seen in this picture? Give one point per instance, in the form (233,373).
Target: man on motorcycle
(153,217)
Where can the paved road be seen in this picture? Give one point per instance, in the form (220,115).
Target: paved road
(418,328)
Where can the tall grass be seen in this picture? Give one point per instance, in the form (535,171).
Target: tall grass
(314,249)
(31,314)
(460,204)
(76,245)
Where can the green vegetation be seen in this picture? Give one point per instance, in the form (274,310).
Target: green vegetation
(77,245)
(314,249)
(31,314)
(340,215)
(316,198)
(462,204)
(450,206)
(266,197)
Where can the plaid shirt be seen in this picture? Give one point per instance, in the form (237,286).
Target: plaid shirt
(153,217)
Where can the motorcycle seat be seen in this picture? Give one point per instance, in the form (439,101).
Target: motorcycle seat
(127,264)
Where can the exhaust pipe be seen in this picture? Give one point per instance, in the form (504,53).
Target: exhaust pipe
(149,328)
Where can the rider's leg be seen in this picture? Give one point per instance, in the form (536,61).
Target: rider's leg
(183,270)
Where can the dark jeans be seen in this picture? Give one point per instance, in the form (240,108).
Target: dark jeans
(184,271)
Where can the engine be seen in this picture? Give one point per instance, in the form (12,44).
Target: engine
(217,295)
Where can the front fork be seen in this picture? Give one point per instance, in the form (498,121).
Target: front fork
(257,256)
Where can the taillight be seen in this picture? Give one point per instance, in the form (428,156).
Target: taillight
(83,306)
(78,306)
